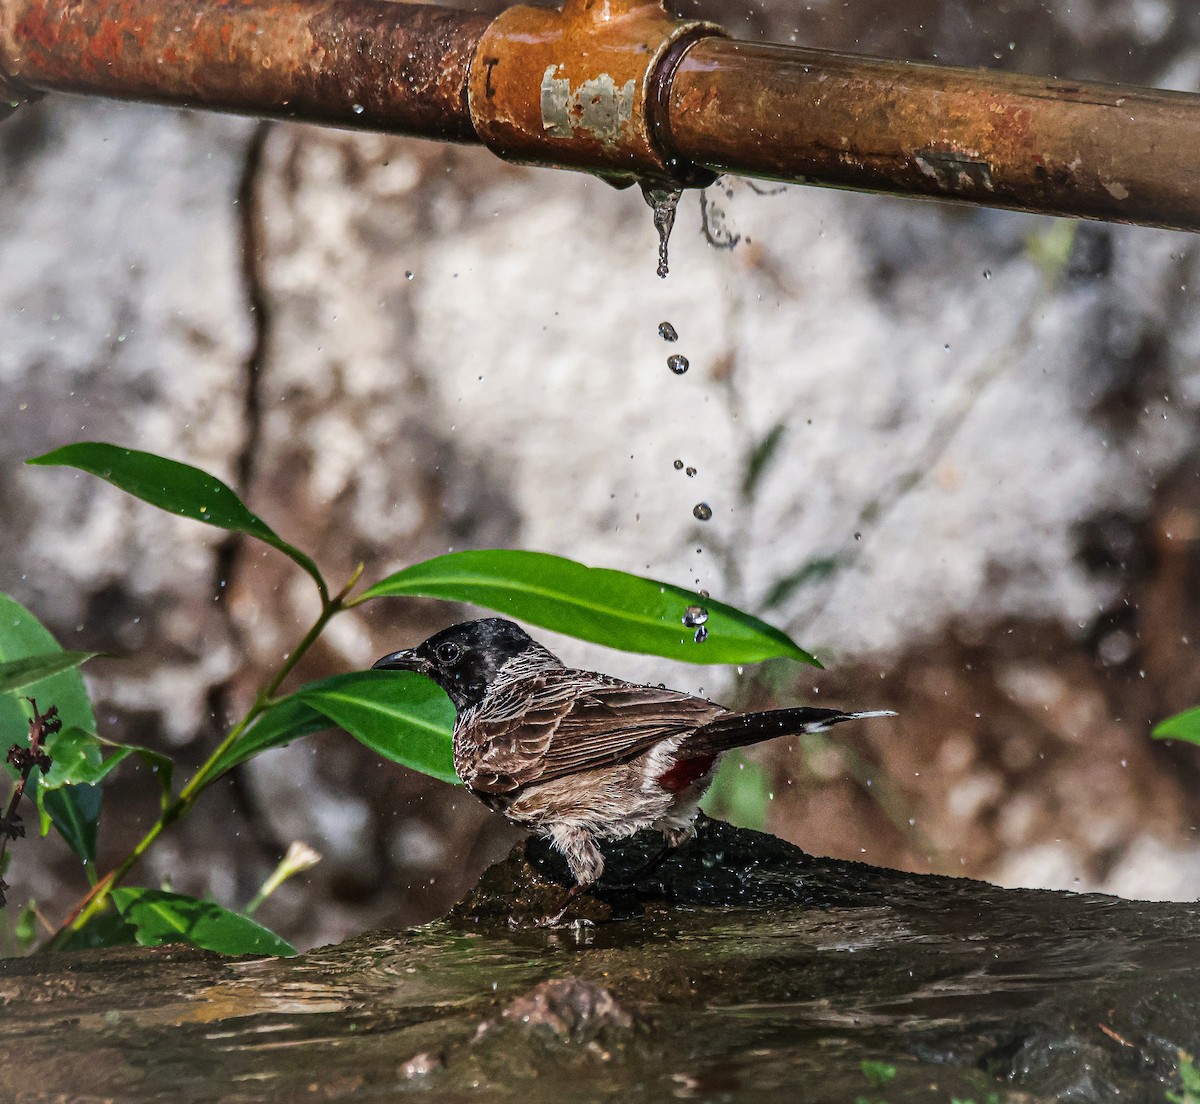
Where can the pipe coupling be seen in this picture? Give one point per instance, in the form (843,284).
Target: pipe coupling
(580,88)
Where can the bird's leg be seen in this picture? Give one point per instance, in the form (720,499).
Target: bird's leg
(584,860)
(553,919)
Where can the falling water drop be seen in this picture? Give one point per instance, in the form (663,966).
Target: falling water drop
(690,472)
(678,363)
(357,108)
(667,332)
(678,465)
(694,615)
(701,635)
(663,202)
(702,511)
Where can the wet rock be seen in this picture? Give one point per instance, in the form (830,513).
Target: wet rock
(722,867)
(567,1007)
(423,1064)
(786,969)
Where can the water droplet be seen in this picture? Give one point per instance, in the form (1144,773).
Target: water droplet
(678,363)
(694,615)
(701,635)
(408,275)
(702,511)
(691,472)
(667,332)
(678,465)
(663,202)
(987,273)
(357,109)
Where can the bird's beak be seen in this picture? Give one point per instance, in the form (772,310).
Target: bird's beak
(407,660)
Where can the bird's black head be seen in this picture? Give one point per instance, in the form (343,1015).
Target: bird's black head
(465,659)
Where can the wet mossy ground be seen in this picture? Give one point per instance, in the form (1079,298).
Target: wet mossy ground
(742,970)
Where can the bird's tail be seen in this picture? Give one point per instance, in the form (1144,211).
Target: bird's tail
(742,729)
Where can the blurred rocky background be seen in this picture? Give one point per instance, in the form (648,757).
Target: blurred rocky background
(951,450)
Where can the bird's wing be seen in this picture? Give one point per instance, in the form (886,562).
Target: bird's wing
(562,722)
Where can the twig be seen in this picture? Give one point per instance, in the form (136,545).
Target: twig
(26,760)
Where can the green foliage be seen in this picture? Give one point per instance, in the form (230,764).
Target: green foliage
(73,809)
(593,603)
(174,487)
(760,459)
(400,715)
(815,571)
(404,717)
(879,1074)
(79,759)
(739,793)
(1189,1077)
(1182,726)
(158,917)
(16,674)
(289,719)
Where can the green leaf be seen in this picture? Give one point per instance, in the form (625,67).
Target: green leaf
(1182,726)
(175,487)
(25,930)
(287,720)
(878,1073)
(591,603)
(78,758)
(19,673)
(74,810)
(814,571)
(403,716)
(760,459)
(161,917)
(105,929)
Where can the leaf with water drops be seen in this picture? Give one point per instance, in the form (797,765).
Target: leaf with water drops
(175,487)
(606,607)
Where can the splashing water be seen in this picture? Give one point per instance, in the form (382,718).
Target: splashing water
(663,202)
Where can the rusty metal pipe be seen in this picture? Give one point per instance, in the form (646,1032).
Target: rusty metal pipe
(1054,146)
(618,88)
(370,64)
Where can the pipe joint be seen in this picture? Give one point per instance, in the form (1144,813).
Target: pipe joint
(584,88)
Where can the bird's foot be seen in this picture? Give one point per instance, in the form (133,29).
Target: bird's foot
(554,919)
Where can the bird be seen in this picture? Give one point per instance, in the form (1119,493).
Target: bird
(578,756)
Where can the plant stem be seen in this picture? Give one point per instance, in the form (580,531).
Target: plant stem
(97,898)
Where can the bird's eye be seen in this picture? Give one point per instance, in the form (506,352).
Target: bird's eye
(448,652)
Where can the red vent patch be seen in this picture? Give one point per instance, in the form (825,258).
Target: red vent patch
(686,771)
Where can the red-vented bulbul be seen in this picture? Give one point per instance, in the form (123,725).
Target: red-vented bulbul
(578,756)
